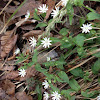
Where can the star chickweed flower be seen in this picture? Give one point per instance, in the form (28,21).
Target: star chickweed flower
(43,9)
(56,96)
(64,2)
(46,96)
(86,28)
(98,97)
(22,72)
(55,12)
(46,42)
(46,84)
(32,41)
(17,51)
(48,58)
(27,15)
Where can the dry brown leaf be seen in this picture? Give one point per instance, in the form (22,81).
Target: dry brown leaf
(4,96)
(7,68)
(11,75)
(33,33)
(7,43)
(30,5)
(8,86)
(26,25)
(23,96)
(51,4)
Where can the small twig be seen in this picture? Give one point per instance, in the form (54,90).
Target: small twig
(91,38)
(80,64)
(25,88)
(93,52)
(20,85)
(5,7)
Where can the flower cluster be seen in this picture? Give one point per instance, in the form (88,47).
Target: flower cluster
(44,8)
(55,95)
(45,42)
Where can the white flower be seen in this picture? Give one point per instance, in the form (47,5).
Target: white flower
(27,15)
(98,97)
(55,12)
(43,9)
(22,72)
(46,42)
(32,41)
(46,96)
(64,2)
(56,96)
(46,84)
(17,51)
(86,28)
(48,58)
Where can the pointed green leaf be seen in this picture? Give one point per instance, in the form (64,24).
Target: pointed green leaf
(74,85)
(41,25)
(93,15)
(96,67)
(63,76)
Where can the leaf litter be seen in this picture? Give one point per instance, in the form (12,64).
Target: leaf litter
(9,77)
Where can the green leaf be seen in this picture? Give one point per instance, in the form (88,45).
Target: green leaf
(80,51)
(93,15)
(40,69)
(67,92)
(49,76)
(87,93)
(36,17)
(34,58)
(78,2)
(54,39)
(38,90)
(21,58)
(77,72)
(65,43)
(64,31)
(96,67)
(41,25)
(54,63)
(63,76)
(79,40)
(58,79)
(93,0)
(54,88)
(74,85)
(70,12)
(81,21)
(86,76)
(43,15)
